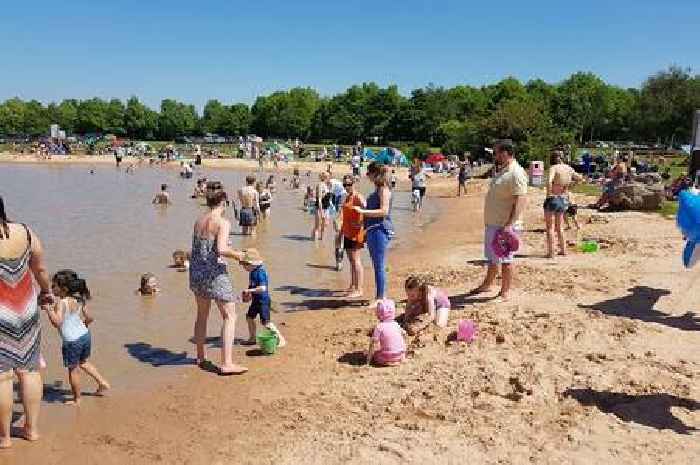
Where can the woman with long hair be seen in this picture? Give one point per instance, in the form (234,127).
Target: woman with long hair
(378,226)
(209,280)
(21,258)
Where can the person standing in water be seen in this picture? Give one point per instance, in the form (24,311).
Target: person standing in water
(378,225)
(250,201)
(264,200)
(162,197)
(322,203)
(71,318)
(352,235)
(21,259)
(209,280)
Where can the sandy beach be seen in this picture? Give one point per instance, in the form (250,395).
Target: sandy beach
(593,361)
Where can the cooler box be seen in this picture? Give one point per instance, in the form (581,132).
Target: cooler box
(536,173)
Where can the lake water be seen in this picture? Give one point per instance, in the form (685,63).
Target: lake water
(104,226)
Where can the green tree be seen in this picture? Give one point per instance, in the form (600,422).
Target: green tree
(68,115)
(214,117)
(114,117)
(92,116)
(580,105)
(36,119)
(176,119)
(666,104)
(12,116)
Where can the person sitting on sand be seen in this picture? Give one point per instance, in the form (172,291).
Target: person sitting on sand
(561,176)
(69,315)
(149,285)
(617,176)
(258,294)
(387,346)
(162,197)
(250,202)
(425,304)
(181,260)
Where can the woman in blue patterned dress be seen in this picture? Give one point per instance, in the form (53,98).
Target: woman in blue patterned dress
(209,280)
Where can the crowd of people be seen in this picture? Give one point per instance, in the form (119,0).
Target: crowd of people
(357,222)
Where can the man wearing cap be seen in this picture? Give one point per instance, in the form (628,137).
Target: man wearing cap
(503,209)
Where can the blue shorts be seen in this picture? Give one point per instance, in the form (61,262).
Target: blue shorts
(259,308)
(489,253)
(556,204)
(76,352)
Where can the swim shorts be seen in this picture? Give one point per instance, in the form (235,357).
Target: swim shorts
(247,217)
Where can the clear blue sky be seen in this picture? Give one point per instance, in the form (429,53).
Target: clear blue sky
(236,50)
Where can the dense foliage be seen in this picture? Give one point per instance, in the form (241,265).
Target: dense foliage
(536,114)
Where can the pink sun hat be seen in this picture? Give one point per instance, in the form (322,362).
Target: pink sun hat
(505,242)
(386,310)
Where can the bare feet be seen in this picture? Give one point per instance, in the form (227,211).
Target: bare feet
(232,369)
(549,256)
(75,402)
(562,253)
(102,388)
(30,436)
(502,298)
(5,443)
(479,290)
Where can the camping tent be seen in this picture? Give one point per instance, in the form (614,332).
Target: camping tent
(434,158)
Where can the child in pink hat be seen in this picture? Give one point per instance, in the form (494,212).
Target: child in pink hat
(387,336)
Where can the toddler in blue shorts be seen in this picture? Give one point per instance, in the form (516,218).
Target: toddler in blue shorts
(258,294)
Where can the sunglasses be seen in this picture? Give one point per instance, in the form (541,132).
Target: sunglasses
(348,185)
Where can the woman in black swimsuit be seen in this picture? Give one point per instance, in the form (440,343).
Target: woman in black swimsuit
(264,199)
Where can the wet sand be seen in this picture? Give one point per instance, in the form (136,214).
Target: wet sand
(594,361)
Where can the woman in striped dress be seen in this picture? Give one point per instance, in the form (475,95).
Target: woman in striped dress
(21,256)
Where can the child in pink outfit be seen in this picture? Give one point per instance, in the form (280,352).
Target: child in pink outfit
(388,335)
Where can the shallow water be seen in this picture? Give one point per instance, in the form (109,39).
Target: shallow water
(104,226)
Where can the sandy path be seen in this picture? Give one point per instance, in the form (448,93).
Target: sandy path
(595,361)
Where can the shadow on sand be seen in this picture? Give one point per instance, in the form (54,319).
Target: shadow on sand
(324,304)
(306,292)
(653,410)
(157,356)
(639,305)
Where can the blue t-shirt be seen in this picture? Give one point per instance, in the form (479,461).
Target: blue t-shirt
(258,277)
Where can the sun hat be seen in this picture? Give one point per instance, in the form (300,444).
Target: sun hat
(251,257)
(386,310)
(505,242)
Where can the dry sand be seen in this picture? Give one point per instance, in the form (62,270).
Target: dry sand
(595,361)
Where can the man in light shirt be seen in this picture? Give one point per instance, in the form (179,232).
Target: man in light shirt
(503,209)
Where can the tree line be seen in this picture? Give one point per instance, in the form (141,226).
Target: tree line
(536,115)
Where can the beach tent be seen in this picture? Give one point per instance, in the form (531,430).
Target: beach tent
(368,154)
(435,158)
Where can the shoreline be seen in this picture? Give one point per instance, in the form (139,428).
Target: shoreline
(570,365)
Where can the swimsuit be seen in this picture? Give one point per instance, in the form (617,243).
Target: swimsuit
(20,333)
(247,217)
(208,273)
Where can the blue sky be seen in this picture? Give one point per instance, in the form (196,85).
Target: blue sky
(236,50)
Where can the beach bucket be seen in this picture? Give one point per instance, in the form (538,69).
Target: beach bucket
(466,330)
(589,246)
(268,341)
(505,243)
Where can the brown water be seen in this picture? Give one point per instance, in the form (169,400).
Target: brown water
(104,226)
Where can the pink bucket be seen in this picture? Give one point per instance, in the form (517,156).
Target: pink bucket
(505,242)
(466,331)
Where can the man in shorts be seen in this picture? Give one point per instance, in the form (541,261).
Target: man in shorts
(503,209)
(250,204)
